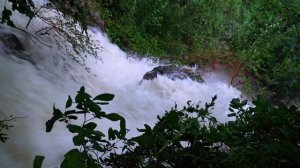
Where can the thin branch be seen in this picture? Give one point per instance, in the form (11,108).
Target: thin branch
(32,36)
(236,74)
(33,16)
(11,118)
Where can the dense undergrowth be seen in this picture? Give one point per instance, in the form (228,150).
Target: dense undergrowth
(262,35)
(260,136)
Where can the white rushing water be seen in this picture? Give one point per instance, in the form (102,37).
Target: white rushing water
(29,90)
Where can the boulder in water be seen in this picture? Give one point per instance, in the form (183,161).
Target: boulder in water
(11,42)
(174,72)
(12,46)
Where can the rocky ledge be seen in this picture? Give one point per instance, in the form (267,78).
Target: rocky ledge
(174,72)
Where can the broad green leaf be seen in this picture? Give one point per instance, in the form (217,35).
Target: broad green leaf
(50,123)
(113,117)
(69,102)
(148,128)
(172,118)
(111,134)
(81,95)
(144,140)
(38,161)
(98,134)
(105,97)
(94,108)
(231,114)
(73,128)
(100,114)
(82,89)
(72,117)
(6,17)
(90,125)
(57,113)
(70,112)
(73,159)
(97,147)
(78,140)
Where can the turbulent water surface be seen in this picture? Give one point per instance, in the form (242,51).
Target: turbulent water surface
(30,86)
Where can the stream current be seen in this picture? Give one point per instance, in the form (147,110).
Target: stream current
(29,88)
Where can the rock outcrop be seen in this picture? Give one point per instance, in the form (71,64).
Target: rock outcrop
(174,72)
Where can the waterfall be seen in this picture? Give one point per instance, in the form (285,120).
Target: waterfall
(31,81)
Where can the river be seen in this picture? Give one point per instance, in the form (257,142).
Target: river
(29,88)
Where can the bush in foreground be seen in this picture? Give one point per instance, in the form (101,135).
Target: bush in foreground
(262,135)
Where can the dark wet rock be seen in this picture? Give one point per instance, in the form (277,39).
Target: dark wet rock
(11,42)
(13,48)
(174,72)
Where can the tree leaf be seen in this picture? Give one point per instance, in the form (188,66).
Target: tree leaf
(38,161)
(98,134)
(113,117)
(57,113)
(97,147)
(80,95)
(90,125)
(73,159)
(82,89)
(122,128)
(69,102)
(105,97)
(111,134)
(73,128)
(231,114)
(94,108)
(72,117)
(50,123)
(70,112)
(78,140)
(6,17)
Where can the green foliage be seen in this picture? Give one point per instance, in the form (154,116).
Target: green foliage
(268,42)
(38,161)
(89,140)
(25,7)
(264,135)
(260,135)
(167,27)
(77,10)
(262,35)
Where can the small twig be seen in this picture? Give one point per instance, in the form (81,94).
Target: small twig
(32,36)
(236,74)
(90,119)
(109,148)
(33,17)
(11,118)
